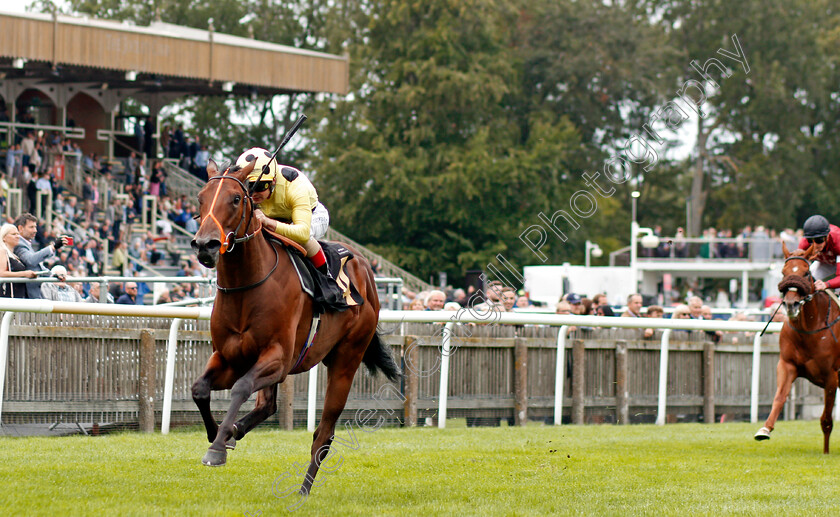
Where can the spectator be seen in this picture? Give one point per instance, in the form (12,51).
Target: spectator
(27,145)
(202,158)
(60,291)
(634,310)
(521,303)
(435,300)
(10,264)
(722,299)
(604,310)
(459,296)
(416,304)
(129,297)
(27,225)
(563,307)
(576,302)
(508,299)
(695,307)
(89,196)
(163,297)
(634,306)
(655,311)
(681,312)
(600,299)
(706,314)
(93,297)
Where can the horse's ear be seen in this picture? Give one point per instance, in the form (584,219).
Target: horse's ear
(212,168)
(785,250)
(245,171)
(811,252)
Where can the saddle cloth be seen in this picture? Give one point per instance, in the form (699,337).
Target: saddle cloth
(329,294)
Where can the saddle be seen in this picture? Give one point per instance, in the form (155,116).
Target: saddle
(335,293)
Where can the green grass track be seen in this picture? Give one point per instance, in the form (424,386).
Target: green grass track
(678,469)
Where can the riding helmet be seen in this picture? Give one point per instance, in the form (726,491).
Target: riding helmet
(262,158)
(816,226)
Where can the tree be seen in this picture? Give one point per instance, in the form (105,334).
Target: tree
(446,149)
(763,142)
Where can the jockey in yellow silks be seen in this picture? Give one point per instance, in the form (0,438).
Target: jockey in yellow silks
(288,203)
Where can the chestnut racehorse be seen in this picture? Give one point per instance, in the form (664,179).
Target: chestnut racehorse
(808,345)
(261,320)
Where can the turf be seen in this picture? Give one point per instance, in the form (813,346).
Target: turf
(536,470)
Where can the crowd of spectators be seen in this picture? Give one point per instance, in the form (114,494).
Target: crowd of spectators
(31,165)
(758,244)
(506,299)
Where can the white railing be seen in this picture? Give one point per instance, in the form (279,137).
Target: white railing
(491,318)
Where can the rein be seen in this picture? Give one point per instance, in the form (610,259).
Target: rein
(806,299)
(229,244)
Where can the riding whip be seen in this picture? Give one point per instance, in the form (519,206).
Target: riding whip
(299,122)
(770,320)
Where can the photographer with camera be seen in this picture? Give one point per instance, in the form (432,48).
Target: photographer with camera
(27,225)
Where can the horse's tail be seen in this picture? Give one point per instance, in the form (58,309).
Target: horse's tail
(378,357)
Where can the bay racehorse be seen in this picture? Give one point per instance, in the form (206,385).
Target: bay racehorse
(261,320)
(808,345)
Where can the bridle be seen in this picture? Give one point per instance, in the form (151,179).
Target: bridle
(226,245)
(801,303)
(231,240)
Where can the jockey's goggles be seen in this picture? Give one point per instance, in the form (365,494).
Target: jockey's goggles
(818,240)
(261,186)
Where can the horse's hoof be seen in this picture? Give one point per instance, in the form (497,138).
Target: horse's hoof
(230,444)
(762,434)
(214,458)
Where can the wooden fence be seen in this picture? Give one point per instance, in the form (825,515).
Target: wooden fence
(89,369)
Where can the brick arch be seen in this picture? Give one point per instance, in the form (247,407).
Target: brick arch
(41,102)
(87,112)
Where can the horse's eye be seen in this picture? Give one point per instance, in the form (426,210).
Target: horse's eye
(236,199)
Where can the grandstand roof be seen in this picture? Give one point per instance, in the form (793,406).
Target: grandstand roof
(164,57)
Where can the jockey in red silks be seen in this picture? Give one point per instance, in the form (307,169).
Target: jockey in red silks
(826,240)
(288,204)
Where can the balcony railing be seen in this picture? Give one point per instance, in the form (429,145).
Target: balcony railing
(717,249)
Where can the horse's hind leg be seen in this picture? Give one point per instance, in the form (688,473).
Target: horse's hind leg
(785,375)
(217,376)
(339,380)
(826,421)
(265,406)
(266,372)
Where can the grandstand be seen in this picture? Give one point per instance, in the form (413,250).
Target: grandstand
(64,79)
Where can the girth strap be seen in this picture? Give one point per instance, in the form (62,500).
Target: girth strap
(316,320)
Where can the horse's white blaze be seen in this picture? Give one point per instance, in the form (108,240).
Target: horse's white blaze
(795,269)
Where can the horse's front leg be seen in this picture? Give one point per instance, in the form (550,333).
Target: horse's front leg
(785,375)
(826,421)
(217,376)
(267,371)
